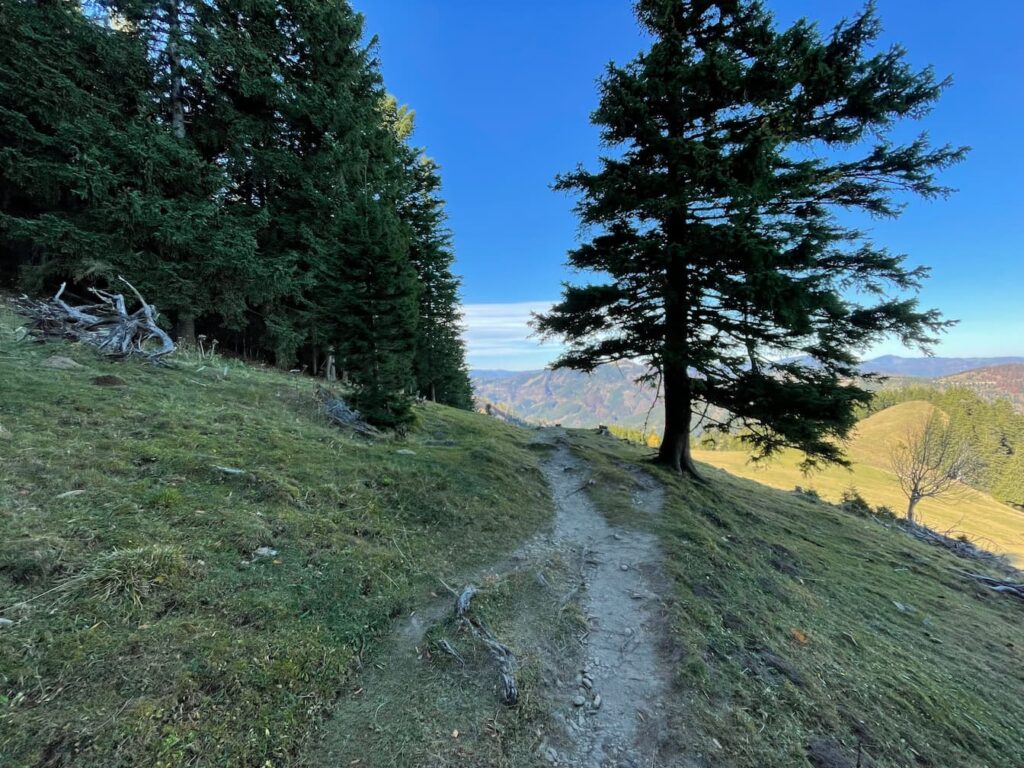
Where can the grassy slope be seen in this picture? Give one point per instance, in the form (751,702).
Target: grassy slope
(145,632)
(985,520)
(789,642)
(414,705)
(150,638)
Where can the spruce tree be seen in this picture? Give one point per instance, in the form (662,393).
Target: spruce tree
(238,161)
(186,248)
(103,179)
(249,64)
(439,365)
(734,145)
(362,290)
(68,90)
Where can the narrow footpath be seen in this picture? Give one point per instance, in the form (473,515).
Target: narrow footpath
(612,706)
(599,681)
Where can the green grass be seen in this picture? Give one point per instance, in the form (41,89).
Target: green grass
(146,633)
(415,705)
(991,524)
(799,629)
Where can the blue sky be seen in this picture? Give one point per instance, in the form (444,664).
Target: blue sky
(503,91)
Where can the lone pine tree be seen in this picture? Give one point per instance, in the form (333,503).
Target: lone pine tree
(735,146)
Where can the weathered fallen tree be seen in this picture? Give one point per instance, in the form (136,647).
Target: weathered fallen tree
(963,547)
(998,585)
(500,652)
(958,545)
(342,414)
(107,326)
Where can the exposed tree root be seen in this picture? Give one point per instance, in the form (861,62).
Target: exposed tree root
(500,652)
(108,326)
(341,413)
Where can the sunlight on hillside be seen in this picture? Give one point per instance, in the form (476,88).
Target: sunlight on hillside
(985,520)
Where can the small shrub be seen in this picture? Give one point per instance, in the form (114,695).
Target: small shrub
(885,513)
(808,492)
(851,501)
(166,498)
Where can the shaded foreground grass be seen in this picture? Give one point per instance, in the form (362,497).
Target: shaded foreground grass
(805,635)
(991,524)
(147,632)
(416,704)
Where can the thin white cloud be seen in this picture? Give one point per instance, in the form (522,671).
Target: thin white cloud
(499,336)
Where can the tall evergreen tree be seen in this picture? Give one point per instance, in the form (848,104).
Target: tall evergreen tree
(249,60)
(68,91)
(237,160)
(737,143)
(101,151)
(439,365)
(366,285)
(285,99)
(187,248)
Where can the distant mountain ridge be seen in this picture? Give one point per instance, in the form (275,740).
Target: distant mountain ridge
(496,373)
(610,395)
(925,367)
(932,367)
(991,383)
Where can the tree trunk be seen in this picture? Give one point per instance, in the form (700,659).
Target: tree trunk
(675,359)
(675,443)
(185,329)
(910,510)
(174,56)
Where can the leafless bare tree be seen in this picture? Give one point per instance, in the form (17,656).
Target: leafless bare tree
(931,460)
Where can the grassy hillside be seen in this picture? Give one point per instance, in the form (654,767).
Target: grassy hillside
(803,635)
(985,520)
(147,631)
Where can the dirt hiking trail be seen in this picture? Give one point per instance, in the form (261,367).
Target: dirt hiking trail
(622,680)
(599,688)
